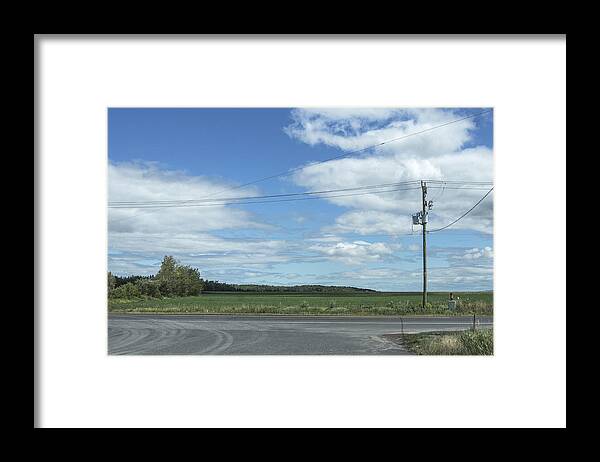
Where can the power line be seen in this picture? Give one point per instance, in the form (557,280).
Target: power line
(288,172)
(220,204)
(133,204)
(441,193)
(463,215)
(456,187)
(461,188)
(459,181)
(326,194)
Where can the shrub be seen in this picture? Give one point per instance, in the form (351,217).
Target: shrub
(128,290)
(148,287)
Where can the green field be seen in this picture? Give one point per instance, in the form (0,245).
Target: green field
(382,303)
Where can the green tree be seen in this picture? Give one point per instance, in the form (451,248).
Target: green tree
(189,281)
(111,283)
(176,279)
(167,276)
(172,279)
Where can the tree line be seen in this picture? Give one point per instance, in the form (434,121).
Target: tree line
(173,279)
(176,280)
(216,286)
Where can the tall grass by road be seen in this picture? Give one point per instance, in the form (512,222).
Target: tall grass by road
(479,342)
(480,303)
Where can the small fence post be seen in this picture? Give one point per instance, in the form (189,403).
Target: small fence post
(474,325)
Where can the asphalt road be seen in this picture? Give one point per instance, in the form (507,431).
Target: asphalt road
(149,334)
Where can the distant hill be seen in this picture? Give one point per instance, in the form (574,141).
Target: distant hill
(215,286)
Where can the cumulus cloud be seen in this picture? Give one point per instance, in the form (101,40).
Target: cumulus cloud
(354,253)
(366,222)
(358,128)
(148,182)
(139,253)
(437,155)
(139,238)
(476,253)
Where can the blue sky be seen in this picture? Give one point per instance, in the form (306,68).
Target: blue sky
(365,241)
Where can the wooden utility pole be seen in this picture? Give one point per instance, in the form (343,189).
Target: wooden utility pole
(424,223)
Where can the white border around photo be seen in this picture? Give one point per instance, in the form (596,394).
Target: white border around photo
(522,385)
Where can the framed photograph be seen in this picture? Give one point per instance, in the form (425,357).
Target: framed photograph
(207,255)
(309,221)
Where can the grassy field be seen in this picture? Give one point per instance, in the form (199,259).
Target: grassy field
(479,342)
(346,304)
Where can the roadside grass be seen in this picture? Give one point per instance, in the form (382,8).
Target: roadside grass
(480,303)
(479,342)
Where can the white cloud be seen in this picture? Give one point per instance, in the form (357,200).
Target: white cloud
(147,182)
(138,243)
(476,253)
(199,250)
(354,253)
(359,128)
(452,278)
(437,155)
(139,238)
(371,222)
